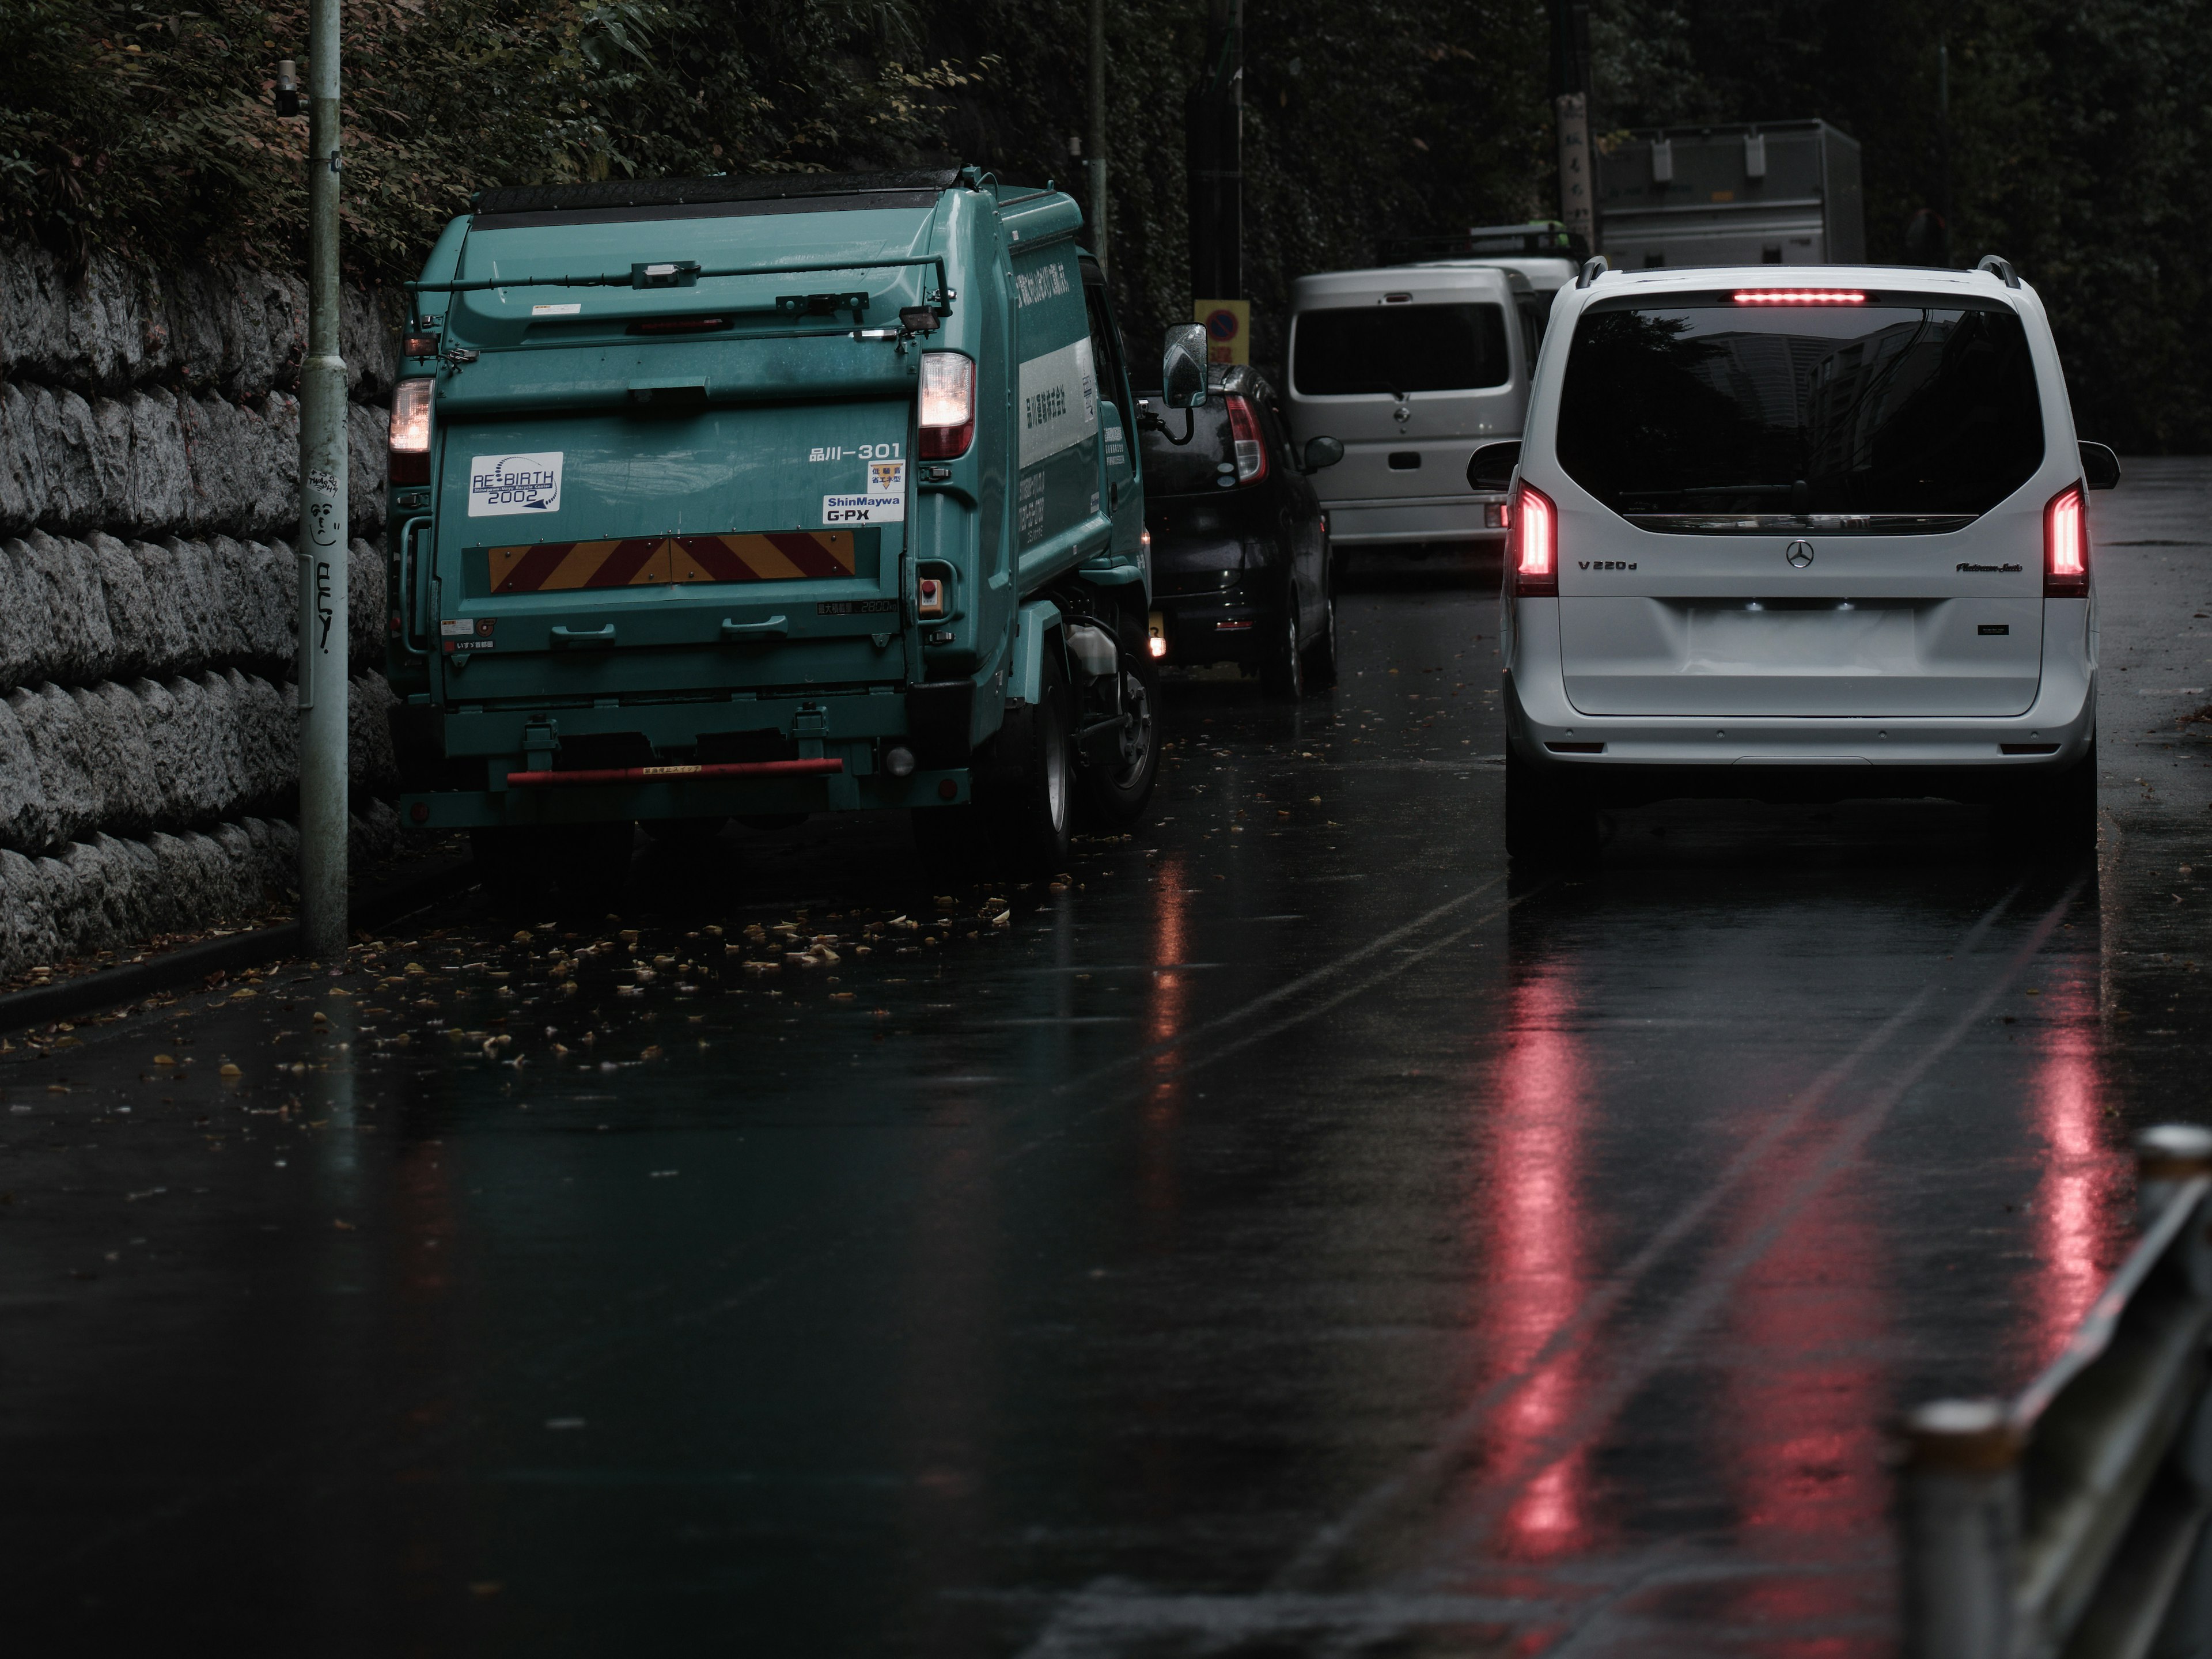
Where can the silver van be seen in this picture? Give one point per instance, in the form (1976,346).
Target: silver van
(1414,369)
(1802,536)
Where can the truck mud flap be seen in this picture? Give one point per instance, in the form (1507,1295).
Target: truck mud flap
(939,718)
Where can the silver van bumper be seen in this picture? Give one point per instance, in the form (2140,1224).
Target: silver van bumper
(2055,731)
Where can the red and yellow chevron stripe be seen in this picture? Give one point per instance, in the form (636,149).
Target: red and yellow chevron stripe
(646,561)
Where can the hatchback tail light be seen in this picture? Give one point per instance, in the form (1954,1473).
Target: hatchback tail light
(409,458)
(948,405)
(2066,546)
(1244,432)
(1532,533)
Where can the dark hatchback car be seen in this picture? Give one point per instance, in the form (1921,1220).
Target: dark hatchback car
(1240,548)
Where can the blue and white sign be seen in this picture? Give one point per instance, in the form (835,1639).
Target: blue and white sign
(503,484)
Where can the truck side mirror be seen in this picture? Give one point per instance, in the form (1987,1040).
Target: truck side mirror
(1182,366)
(2100,467)
(1490,469)
(1324,452)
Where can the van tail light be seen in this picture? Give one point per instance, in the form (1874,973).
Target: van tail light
(410,460)
(2066,546)
(1532,533)
(1244,432)
(948,405)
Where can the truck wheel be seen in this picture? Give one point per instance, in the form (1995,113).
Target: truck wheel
(1114,792)
(1546,820)
(1321,655)
(1024,798)
(1283,670)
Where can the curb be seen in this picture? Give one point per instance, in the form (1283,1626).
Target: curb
(374,908)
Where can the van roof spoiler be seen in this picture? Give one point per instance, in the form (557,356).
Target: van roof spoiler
(687,193)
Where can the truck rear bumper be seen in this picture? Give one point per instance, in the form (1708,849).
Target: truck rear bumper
(681,798)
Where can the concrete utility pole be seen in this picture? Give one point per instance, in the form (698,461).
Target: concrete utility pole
(1097,163)
(1214,140)
(1570,104)
(323,521)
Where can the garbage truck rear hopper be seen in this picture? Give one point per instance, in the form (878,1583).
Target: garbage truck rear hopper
(761,496)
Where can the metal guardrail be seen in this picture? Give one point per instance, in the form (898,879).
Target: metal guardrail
(2068,1523)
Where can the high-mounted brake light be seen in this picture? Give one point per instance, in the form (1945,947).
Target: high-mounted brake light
(1244,433)
(948,405)
(1535,538)
(2066,546)
(1800,296)
(409,458)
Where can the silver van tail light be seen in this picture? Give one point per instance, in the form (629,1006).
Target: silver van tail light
(1532,534)
(948,405)
(409,458)
(2066,545)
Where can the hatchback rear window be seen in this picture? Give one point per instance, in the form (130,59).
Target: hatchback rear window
(1881,418)
(1208,461)
(1399,349)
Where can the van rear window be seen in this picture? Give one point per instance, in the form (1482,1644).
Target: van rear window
(1399,349)
(1879,418)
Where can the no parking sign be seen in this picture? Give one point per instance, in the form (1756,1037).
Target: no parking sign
(1227,329)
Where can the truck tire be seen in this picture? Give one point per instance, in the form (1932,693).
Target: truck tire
(1115,792)
(1546,820)
(1025,794)
(1283,670)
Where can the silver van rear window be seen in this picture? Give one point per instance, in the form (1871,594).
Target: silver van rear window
(1404,348)
(1881,418)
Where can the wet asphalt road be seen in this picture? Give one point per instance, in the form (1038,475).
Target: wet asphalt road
(1293,1238)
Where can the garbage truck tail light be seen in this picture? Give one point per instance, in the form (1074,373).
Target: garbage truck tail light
(2066,546)
(948,405)
(1535,541)
(411,432)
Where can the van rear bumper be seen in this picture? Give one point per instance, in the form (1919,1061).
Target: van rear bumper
(1547,730)
(1417,519)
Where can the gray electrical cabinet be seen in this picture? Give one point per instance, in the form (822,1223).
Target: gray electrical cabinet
(1773,193)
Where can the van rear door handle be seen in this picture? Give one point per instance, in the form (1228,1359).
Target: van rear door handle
(775,628)
(572,637)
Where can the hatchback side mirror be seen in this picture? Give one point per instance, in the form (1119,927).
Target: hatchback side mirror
(1182,366)
(1490,469)
(2100,467)
(1324,452)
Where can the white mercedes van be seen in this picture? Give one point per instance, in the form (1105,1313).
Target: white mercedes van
(1414,369)
(1810,536)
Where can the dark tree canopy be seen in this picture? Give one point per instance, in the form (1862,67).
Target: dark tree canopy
(2075,130)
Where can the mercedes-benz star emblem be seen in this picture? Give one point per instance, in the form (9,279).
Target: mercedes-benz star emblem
(1800,554)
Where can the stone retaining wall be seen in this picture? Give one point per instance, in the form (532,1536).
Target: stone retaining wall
(149,478)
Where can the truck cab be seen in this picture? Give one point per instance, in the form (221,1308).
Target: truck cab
(766,496)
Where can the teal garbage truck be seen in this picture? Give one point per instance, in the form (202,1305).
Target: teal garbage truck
(764,496)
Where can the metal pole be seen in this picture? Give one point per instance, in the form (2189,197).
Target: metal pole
(1097,163)
(1961,1543)
(323,522)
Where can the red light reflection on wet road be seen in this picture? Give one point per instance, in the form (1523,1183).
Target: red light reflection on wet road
(1537,1259)
(2075,1209)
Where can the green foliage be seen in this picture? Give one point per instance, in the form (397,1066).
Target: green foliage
(2077,130)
